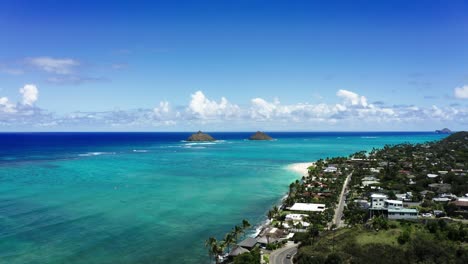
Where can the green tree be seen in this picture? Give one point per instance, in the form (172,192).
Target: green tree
(209,244)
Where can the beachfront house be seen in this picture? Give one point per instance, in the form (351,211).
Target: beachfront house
(308,207)
(236,251)
(248,243)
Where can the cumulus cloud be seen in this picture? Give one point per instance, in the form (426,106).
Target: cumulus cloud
(350,112)
(62,66)
(461,92)
(6,106)
(352,98)
(30,94)
(203,108)
(261,109)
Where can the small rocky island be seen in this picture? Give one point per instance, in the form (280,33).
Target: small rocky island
(444,131)
(260,136)
(200,136)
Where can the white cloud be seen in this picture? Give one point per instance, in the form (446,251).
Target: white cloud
(62,66)
(461,92)
(163,113)
(352,113)
(30,94)
(262,109)
(203,108)
(6,106)
(352,98)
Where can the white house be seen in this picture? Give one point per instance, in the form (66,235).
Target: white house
(392,208)
(378,200)
(393,204)
(330,169)
(295,217)
(308,207)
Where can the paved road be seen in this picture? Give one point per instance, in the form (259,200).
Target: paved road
(279,256)
(339,209)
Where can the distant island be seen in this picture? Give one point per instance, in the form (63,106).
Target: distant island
(260,136)
(200,136)
(444,131)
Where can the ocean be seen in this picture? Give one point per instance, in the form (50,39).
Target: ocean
(148,197)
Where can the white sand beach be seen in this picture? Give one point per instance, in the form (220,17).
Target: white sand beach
(300,168)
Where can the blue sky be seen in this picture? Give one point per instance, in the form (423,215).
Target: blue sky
(233,65)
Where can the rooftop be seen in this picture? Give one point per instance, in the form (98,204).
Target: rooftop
(310,207)
(403,210)
(378,195)
(248,242)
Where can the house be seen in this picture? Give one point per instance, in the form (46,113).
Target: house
(441,199)
(440,187)
(330,169)
(295,217)
(377,200)
(237,250)
(461,204)
(392,209)
(364,204)
(406,197)
(402,213)
(308,207)
(272,235)
(393,204)
(248,243)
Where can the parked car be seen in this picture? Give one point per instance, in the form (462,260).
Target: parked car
(426,215)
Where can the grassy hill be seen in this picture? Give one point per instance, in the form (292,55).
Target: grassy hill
(396,242)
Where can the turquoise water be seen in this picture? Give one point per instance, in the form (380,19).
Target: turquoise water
(128,200)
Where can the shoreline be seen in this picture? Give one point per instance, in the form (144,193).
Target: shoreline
(301,167)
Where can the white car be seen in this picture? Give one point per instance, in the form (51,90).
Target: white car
(426,215)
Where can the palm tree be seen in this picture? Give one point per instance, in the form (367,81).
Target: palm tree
(218,249)
(228,240)
(271,214)
(245,224)
(209,244)
(237,231)
(215,249)
(276,210)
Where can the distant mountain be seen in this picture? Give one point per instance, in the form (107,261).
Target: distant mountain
(444,131)
(200,136)
(260,136)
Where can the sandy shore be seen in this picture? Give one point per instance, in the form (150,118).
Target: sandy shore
(300,168)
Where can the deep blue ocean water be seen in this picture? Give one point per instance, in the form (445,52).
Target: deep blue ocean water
(148,197)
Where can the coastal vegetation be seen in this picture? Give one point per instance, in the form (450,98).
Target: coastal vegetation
(216,248)
(399,242)
(422,190)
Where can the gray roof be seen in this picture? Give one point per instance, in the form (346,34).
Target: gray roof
(237,251)
(248,243)
(264,240)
